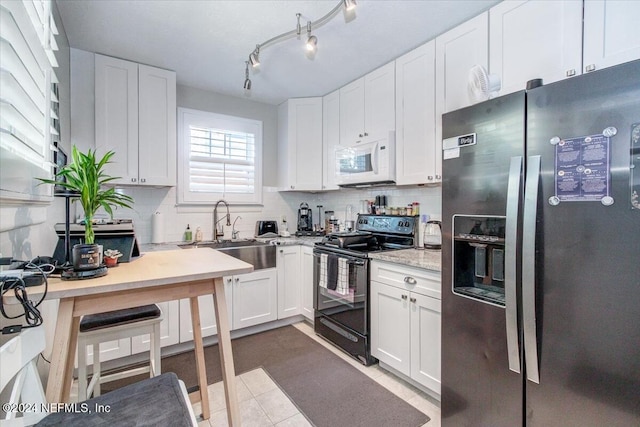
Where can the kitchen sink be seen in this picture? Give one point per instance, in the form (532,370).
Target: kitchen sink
(260,255)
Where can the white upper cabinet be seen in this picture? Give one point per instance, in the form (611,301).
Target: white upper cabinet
(534,39)
(136,118)
(330,138)
(611,34)
(367,106)
(300,144)
(457,51)
(417,151)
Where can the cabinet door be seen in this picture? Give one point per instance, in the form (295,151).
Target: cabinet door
(289,281)
(390,326)
(380,99)
(457,51)
(208,323)
(116,103)
(611,33)
(534,39)
(425,341)
(306,267)
(352,112)
(255,298)
(416,151)
(330,138)
(109,350)
(169,328)
(157,126)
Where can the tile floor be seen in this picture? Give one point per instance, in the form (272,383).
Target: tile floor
(263,404)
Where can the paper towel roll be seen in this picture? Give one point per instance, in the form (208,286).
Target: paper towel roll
(157,228)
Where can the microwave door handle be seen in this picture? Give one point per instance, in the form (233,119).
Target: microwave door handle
(375,158)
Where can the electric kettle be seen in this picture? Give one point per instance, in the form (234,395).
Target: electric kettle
(433,235)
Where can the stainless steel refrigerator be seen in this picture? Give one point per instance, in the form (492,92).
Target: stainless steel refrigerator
(541,256)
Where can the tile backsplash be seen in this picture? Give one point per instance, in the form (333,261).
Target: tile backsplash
(173,219)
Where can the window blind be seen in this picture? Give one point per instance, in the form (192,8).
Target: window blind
(221,161)
(219,157)
(29,121)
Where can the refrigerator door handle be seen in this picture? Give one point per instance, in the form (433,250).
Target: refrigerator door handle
(529,269)
(510,262)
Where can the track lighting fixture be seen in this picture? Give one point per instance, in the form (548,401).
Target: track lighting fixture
(312,41)
(247,81)
(254,58)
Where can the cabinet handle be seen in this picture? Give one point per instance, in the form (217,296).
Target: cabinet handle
(412,300)
(229,280)
(237,279)
(571,73)
(410,280)
(133,179)
(360,135)
(366,134)
(430,177)
(404,297)
(438,176)
(293,187)
(281,250)
(143,180)
(590,67)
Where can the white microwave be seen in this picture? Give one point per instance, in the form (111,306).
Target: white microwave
(367,162)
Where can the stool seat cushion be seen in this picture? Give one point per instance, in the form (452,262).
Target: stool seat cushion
(156,401)
(109,319)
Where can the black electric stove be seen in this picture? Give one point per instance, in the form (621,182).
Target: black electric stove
(341,279)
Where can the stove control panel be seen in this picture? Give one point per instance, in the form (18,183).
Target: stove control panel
(387,224)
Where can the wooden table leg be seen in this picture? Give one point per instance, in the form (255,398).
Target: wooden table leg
(199,353)
(61,353)
(226,355)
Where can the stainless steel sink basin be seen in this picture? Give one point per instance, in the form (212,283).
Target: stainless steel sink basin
(260,255)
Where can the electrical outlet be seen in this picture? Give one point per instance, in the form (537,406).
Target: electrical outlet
(284,218)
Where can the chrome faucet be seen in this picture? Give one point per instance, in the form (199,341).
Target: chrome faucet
(220,233)
(234,232)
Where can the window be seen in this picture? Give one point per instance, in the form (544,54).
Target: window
(220,157)
(29,123)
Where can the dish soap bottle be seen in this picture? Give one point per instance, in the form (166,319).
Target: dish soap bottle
(187,234)
(198,235)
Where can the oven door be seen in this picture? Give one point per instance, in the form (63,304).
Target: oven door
(341,288)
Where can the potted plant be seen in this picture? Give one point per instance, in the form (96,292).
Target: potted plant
(111,257)
(85,176)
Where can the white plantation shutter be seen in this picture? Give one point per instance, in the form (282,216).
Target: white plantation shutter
(29,122)
(221,158)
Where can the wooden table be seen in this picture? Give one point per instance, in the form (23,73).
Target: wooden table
(152,278)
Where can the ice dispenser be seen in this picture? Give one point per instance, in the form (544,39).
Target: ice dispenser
(478,257)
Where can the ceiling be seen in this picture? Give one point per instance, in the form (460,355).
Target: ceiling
(208,41)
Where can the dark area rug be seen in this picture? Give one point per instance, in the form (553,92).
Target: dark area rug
(328,390)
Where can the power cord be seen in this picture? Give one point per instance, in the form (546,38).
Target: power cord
(31,313)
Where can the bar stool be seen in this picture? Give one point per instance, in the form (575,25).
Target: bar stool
(114,325)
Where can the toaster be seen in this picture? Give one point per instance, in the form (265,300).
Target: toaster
(266,229)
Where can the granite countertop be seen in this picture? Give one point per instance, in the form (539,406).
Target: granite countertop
(293,240)
(426,258)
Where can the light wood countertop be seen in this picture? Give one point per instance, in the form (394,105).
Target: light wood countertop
(150,269)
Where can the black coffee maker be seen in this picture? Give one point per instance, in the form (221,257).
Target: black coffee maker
(305,221)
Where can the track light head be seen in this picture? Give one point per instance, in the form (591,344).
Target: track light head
(247,81)
(349,5)
(312,43)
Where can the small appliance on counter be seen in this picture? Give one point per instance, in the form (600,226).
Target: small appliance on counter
(433,235)
(266,229)
(305,221)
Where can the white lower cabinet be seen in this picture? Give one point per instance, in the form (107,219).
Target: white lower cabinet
(289,281)
(208,323)
(306,269)
(405,321)
(255,298)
